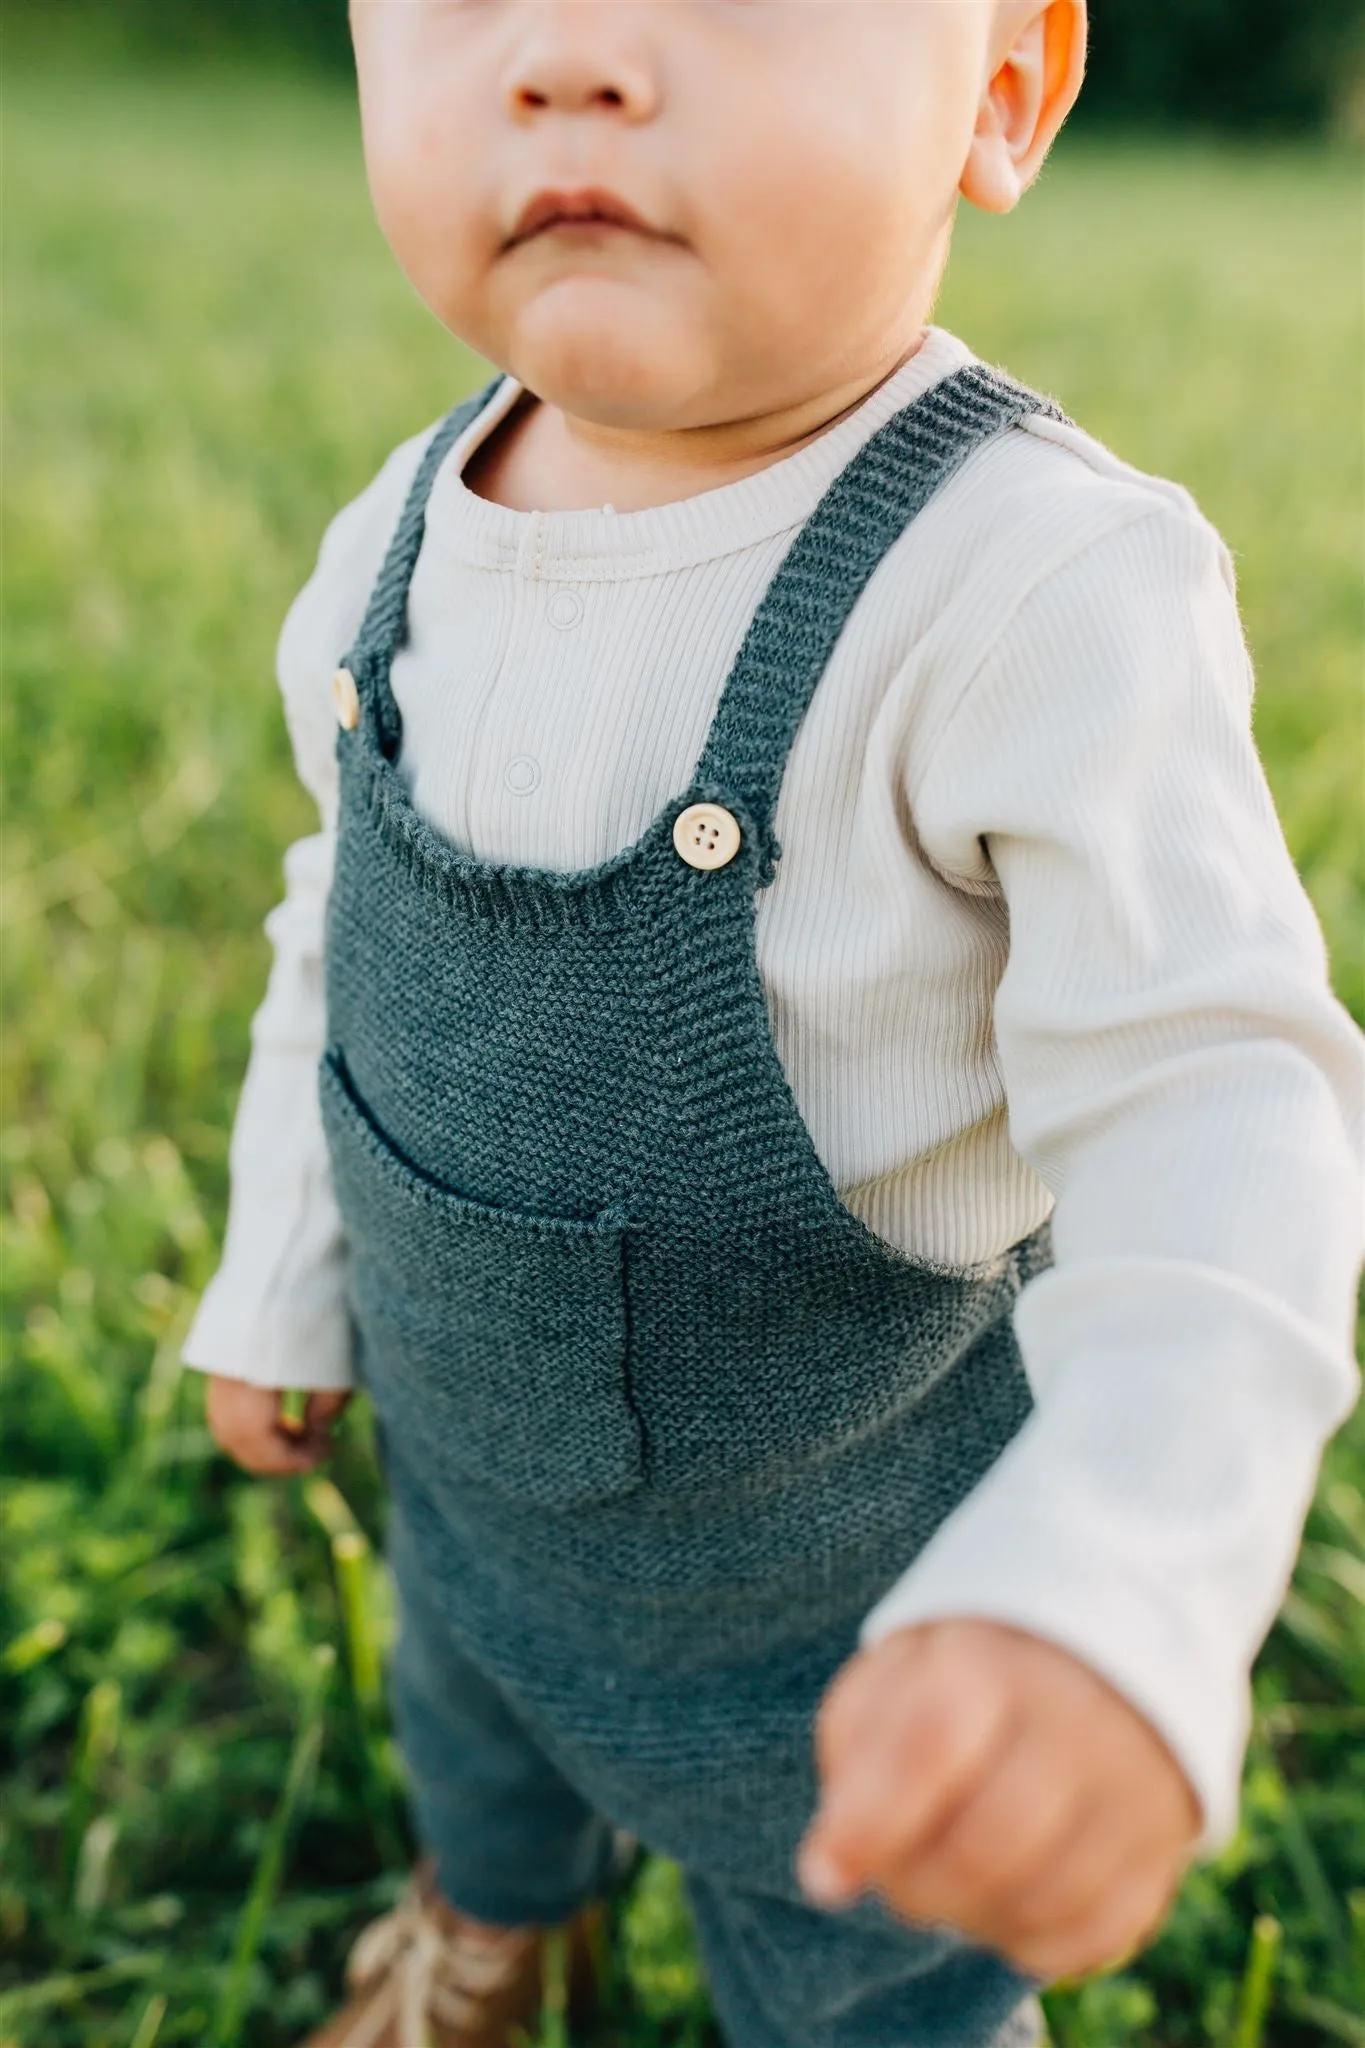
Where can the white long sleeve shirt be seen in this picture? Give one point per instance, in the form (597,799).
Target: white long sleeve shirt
(1035,946)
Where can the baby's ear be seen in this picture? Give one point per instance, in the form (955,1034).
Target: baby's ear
(1038,60)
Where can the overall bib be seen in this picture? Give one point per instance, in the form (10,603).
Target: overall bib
(662,1419)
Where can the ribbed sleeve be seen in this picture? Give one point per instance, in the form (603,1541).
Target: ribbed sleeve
(1178,1074)
(275,1312)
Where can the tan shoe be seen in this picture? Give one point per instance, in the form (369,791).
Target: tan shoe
(427,1976)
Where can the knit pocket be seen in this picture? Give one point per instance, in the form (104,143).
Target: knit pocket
(493,1342)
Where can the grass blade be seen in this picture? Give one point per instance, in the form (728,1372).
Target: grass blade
(353,1569)
(554,2024)
(95,1746)
(352,1562)
(1333,2021)
(352,1565)
(270,1864)
(1303,1859)
(1267,1936)
(69,1987)
(93,1865)
(328,1506)
(294,1410)
(149,2026)
(25,1651)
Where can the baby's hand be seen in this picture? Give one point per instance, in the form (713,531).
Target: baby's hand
(978,1776)
(249,1423)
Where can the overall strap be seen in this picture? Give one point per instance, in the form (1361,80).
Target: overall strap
(866,509)
(384,626)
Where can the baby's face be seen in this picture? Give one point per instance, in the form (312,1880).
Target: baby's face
(668,213)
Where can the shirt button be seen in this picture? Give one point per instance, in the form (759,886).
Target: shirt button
(522,775)
(565,609)
(346,700)
(706,836)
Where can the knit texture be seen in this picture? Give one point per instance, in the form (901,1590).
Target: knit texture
(596,1047)
(662,1416)
(514,1840)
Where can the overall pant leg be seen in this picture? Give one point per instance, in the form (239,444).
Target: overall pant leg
(783,1975)
(512,1842)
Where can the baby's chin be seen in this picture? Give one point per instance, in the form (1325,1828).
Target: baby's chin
(605,352)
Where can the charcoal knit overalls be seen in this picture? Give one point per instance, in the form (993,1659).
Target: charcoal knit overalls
(662,1419)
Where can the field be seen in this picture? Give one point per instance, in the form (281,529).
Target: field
(208,350)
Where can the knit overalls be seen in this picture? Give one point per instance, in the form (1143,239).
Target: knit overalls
(662,1419)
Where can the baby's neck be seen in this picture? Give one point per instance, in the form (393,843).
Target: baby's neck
(541,459)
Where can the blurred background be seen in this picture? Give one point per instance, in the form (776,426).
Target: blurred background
(207,351)
(1225,63)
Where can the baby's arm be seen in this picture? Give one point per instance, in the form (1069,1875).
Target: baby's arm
(276,1315)
(1179,1073)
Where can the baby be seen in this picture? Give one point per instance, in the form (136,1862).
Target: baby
(798,1072)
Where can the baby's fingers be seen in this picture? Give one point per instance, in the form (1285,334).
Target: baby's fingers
(904,1738)
(1123,1915)
(1016,1831)
(248,1423)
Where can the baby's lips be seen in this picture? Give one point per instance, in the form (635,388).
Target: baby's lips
(562,207)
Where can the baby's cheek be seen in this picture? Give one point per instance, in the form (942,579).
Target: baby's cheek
(832,260)
(428,229)
(427,147)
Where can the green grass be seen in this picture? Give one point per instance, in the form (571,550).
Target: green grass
(208,351)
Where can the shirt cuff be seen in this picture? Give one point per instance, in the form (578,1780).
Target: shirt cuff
(1146,1517)
(301,1338)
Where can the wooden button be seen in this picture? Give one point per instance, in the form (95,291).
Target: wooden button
(706,836)
(346,700)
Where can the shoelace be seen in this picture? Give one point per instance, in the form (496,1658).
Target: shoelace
(426,1974)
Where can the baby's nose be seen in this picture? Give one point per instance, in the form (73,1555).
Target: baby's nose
(575,57)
